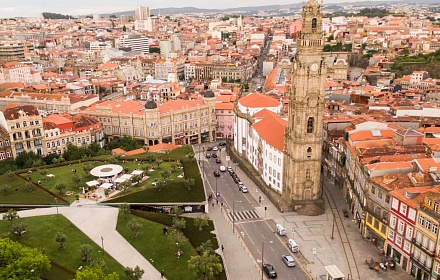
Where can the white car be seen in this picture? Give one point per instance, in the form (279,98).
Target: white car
(244,189)
(222,168)
(215,148)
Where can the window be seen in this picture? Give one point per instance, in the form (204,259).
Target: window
(399,240)
(373,189)
(403,209)
(379,194)
(387,199)
(393,221)
(401,226)
(314,21)
(436,206)
(409,232)
(310,124)
(391,235)
(406,246)
(434,228)
(428,224)
(421,220)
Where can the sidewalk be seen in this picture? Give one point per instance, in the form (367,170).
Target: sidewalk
(99,224)
(315,232)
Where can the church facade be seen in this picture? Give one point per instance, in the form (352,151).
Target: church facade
(304,133)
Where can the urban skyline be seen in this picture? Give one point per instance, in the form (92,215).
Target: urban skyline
(28,8)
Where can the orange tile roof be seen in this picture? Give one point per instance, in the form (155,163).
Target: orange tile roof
(135,152)
(258,100)
(414,202)
(425,163)
(388,165)
(271,129)
(224,106)
(367,135)
(56,119)
(163,146)
(125,107)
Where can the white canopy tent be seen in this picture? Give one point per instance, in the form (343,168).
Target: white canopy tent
(126,176)
(137,172)
(92,183)
(120,180)
(106,185)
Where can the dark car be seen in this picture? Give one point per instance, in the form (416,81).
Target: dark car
(217,160)
(270,271)
(214,155)
(216,174)
(208,155)
(209,149)
(230,171)
(222,144)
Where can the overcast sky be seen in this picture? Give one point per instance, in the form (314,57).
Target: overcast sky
(32,8)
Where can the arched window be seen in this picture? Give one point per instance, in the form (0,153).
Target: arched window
(309,152)
(314,23)
(308,173)
(310,124)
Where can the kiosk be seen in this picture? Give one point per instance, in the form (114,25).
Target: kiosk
(333,273)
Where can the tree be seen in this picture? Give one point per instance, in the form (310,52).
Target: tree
(10,175)
(125,185)
(165,174)
(176,211)
(190,156)
(201,222)
(95,273)
(206,247)
(134,273)
(125,209)
(19,229)
(86,168)
(179,224)
(159,162)
(159,184)
(124,28)
(177,237)
(11,215)
(61,187)
(76,179)
(136,179)
(189,183)
(61,238)
(135,227)
(43,173)
(21,262)
(5,189)
(30,187)
(205,266)
(85,251)
(174,166)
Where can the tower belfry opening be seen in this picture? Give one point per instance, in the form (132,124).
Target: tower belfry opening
(303,140)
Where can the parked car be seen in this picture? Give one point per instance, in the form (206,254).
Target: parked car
(217,160)
(216,174)
(209,149)
(221,144)
(270,271)
(229,169)
(288,260)
(215,148)
(208,155)
(222,168)
(243,189)
(214,155)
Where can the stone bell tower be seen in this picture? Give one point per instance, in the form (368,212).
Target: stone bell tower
(303,136)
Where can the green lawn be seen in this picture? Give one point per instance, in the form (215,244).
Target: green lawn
(41,233)
(20,195)
(158,248)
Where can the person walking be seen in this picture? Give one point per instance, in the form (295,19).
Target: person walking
(223,248)
(161,274)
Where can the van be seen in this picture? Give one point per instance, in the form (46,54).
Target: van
(293,246)
(280,230)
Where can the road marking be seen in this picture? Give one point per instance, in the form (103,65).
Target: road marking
(244,215)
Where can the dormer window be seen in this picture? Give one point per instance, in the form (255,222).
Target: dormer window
(435,207)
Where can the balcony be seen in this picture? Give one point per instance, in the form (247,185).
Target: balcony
(425,250)
(420,264)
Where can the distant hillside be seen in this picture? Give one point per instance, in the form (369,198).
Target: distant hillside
(268,8)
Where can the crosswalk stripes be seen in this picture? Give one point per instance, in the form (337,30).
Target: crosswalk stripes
(243,215)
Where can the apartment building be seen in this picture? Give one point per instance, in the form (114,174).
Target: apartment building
(12,50)
(80,130)
(134,42)
(178,122)
(25,128)
(5,145)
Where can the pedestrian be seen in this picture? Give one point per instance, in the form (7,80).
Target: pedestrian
(212,204)
(223,248)
(217,201)
(259,198)
(161,273)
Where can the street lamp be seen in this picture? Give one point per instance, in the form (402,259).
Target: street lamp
(216,186)
(56,202)
(333,226)
(102,243)
(262,258)
(233,214)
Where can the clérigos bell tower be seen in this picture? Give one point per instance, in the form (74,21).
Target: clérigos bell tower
(303,136)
